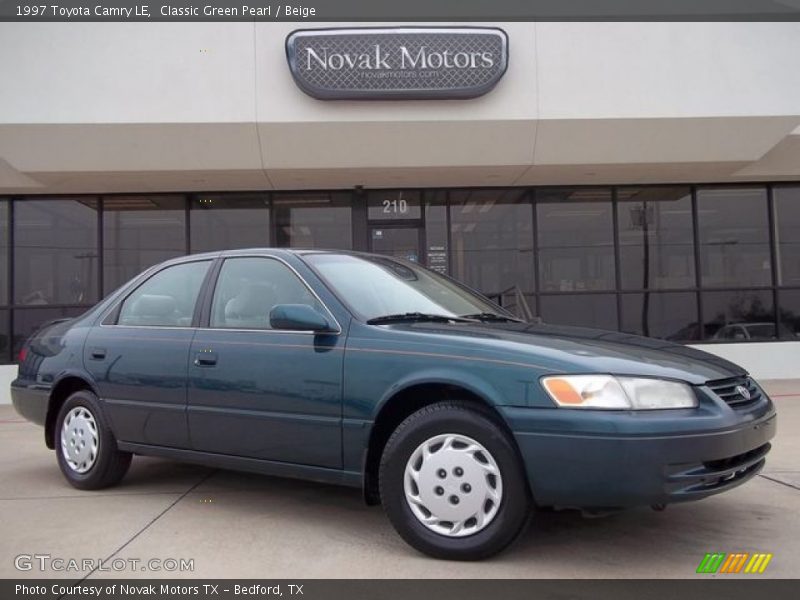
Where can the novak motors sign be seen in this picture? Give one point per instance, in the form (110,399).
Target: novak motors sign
(397,63)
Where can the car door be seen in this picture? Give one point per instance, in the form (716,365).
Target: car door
(259,392)
(138,356)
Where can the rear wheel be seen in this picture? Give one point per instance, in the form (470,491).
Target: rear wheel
(86,449)
(452,484)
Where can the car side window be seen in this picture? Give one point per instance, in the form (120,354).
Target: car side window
(248,288)
(167,299)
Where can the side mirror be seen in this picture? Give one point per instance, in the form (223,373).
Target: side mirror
(298,317)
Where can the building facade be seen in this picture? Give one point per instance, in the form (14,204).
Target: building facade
(641,177)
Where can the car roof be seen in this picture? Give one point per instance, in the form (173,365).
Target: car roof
(261,250)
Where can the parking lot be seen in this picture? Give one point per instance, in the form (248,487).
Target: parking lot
(241,525)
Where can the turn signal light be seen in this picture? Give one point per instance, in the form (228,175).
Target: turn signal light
(620,393)
(562,391)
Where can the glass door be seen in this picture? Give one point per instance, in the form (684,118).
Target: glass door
(399,242)
(396,224)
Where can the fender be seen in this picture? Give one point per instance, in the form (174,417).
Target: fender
(80,373)
(359,446)
(61,377)
(443,375)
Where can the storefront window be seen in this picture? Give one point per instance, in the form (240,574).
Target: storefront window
(3,255)
(437,252)
(28,320)
(228,221)
(497,241)
(55,251)
(789,301)
(787,234)
(492,244)
(138,232)
(575,239)
(670,315)
(313,220)
(656,241)
(734,236)
(5,339)
(582,310)
(739,316)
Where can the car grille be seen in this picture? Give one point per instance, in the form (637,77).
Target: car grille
(730,390)
(715,475)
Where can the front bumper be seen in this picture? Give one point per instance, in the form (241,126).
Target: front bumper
(588,460)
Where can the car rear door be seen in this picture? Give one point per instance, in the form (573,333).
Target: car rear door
(138,356)
(259,392)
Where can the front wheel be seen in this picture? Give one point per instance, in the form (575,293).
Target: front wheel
(86,449)
(452,484)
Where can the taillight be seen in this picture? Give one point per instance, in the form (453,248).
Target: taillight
(22,354)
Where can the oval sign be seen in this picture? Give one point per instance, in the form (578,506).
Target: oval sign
(397,63)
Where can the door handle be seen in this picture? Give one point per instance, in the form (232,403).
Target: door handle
(205,359)
(98,353)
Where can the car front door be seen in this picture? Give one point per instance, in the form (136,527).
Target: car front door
(260,392)
(138,356)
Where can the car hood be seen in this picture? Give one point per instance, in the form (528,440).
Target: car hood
(576,349)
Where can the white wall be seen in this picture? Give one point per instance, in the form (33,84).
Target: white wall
(7,374)
(764,360)
(204,106)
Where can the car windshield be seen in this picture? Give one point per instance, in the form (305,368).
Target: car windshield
(374,286)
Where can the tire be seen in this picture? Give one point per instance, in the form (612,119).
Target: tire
(95,462)
(425,465)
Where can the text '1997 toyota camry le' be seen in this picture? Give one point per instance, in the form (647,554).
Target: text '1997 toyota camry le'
(373,372)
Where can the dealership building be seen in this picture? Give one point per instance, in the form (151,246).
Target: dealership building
(639,177)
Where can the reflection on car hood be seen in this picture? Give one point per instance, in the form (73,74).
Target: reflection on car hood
(575,349)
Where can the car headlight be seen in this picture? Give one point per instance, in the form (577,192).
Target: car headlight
(620,393)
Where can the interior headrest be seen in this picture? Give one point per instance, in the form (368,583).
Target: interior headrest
(152,305)
(255,300)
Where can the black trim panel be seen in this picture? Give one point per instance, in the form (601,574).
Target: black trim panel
(252,465)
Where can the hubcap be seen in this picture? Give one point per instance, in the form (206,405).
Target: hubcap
(79,439)
(453,485)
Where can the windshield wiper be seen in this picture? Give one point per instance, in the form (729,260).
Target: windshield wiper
(417,316)
(488,316)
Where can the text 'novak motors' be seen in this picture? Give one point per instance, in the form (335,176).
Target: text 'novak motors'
(397,63)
